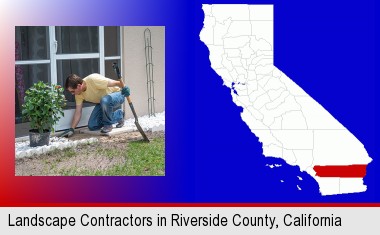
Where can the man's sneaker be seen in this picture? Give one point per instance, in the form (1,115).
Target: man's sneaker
(106,129)
(121,122)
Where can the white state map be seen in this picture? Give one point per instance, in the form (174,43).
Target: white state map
(288,122)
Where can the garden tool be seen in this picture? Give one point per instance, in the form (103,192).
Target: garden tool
(117,71)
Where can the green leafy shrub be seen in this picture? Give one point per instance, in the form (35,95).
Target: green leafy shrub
(43,106)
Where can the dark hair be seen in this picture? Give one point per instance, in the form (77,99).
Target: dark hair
(72,81)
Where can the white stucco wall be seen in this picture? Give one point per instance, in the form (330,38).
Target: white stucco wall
(134,72)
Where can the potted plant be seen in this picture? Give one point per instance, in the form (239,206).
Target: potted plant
(43,107)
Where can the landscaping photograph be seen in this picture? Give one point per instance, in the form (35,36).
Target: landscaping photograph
(90,100)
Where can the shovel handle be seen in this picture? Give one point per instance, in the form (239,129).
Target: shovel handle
(117,71)
(129,100)
(121,82)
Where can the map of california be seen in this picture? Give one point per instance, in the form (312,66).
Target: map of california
(288,122)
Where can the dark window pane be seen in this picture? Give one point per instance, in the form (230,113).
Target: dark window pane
(77,39)
(25,77)
(112,41)
(81,67)
(32,43)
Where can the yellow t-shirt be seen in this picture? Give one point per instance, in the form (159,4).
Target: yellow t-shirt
(96,88)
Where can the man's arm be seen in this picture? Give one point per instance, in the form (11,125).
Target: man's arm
(112,83)
(124,90)
(77,115)
(76,118)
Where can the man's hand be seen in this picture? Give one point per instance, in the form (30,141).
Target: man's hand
(67,133)
(125,91)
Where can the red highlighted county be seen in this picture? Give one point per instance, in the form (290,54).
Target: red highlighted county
(348,171)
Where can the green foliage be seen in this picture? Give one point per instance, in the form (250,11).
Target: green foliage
(43,106)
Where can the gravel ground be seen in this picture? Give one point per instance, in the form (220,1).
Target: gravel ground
(146,123)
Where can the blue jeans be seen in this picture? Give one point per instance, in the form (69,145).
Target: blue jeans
(107,112)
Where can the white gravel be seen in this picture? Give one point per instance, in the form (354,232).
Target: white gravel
(24,150)
(153,123)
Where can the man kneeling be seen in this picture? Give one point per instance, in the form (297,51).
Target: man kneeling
(105,93)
